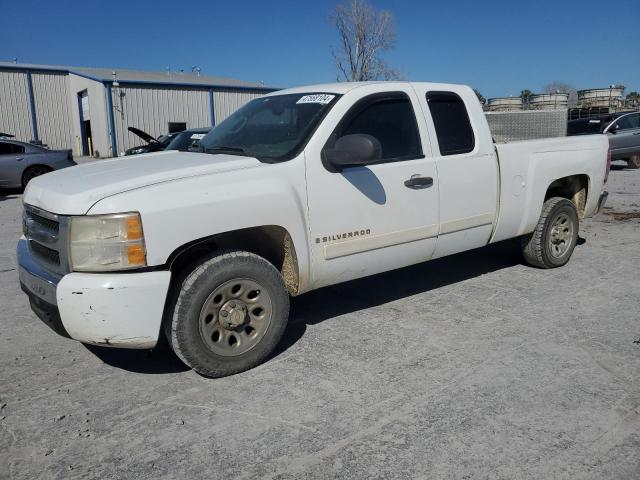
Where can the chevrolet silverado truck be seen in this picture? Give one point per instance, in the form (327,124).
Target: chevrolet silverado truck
(297,190)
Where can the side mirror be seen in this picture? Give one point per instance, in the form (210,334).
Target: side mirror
(613,128)
(353,150)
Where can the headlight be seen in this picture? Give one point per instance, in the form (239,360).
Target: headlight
(101,243)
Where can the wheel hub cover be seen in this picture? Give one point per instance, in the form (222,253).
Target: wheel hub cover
(233,314)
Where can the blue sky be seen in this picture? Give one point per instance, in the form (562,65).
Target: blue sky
(499,47)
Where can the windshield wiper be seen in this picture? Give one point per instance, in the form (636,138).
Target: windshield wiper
(226,149)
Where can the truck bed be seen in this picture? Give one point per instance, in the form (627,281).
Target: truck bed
(528,167)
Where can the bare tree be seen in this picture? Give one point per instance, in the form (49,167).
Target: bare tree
(365,33)
(559,87)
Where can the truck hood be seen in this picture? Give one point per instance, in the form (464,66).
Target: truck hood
(142,134)
(72,191)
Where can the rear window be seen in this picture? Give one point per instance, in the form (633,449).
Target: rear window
(585,127)
(452,124)
(9,148)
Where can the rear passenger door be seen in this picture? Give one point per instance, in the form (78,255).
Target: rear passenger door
(467,168)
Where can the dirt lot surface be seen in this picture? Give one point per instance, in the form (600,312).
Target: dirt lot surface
(475,366)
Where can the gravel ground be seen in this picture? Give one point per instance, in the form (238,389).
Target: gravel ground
(474,366)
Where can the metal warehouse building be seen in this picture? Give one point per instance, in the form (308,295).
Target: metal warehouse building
(89,110)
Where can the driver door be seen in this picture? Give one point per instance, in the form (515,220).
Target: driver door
(368,219)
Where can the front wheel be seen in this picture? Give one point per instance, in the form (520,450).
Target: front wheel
(552,242)
(33,172)
(229,314)
(634,161)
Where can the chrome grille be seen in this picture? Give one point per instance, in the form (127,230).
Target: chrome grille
(51,225)
(47,254)
(47,236)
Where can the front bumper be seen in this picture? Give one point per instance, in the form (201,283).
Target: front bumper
(116,309)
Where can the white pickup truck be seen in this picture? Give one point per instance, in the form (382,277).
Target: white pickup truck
(297,190)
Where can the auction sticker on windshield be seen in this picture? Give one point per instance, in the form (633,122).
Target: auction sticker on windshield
(322,98)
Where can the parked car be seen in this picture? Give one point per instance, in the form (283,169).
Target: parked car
(153,144)
(623,130)
(20,161)
(297,190)
(187,140)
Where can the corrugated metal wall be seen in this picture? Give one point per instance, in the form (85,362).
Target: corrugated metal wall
(51,97)
(149,108)
(14,105)
(227,101)
(152,108)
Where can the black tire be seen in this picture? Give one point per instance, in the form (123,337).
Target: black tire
(184,325)
(33,172)
(634,161)
(550,245)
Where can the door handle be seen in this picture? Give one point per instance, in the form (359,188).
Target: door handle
(418,181)
(19,159)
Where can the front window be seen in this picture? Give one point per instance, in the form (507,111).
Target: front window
(273,128)
(628,122)
(391,120)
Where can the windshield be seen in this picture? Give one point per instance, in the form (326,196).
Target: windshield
(185,140)
(270,128)
(165,139)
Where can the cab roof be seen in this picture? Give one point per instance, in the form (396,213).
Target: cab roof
(341,88)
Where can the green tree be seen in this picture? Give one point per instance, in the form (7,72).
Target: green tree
(633,99)
(526,95)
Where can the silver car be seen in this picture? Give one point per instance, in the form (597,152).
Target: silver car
(21,161)
(624,138)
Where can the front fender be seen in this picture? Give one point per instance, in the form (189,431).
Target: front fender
(177,212)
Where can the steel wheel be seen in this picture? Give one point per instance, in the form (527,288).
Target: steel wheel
(560,235)
(235,317)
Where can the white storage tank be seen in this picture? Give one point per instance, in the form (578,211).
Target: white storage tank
(504,104)
(612,97)
(549,101)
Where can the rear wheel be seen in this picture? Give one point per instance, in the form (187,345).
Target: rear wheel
(634,161)
(552,242)
(33,172)
(229,314)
